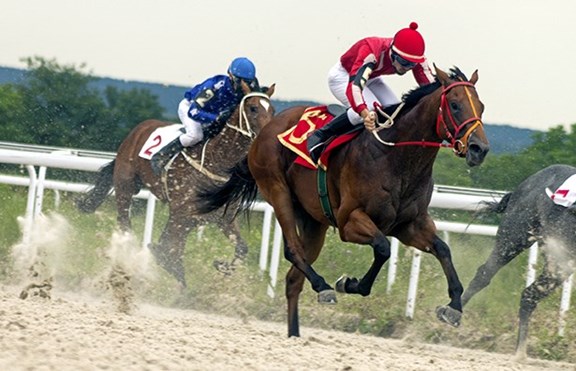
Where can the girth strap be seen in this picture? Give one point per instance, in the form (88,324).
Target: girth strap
(323,195)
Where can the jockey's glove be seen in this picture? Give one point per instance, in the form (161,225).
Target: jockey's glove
(224,116)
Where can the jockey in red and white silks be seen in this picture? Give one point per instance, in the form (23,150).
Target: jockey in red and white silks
(358,79)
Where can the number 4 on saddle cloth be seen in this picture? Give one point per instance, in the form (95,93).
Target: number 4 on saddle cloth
(313,118)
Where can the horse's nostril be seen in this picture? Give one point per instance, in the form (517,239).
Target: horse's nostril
(475,148)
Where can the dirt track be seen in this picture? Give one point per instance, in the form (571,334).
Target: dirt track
(72,332)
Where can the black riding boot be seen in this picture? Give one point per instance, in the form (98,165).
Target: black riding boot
(320,138)
(160,158)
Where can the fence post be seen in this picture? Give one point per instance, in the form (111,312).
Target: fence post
(413,284)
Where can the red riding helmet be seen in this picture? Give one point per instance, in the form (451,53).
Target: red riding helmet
(409,44)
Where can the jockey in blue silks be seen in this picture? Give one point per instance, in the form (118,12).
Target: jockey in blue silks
(207,107)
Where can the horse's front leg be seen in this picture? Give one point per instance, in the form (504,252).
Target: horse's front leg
(452,313)
(169,252)
(360,229)
(508,246)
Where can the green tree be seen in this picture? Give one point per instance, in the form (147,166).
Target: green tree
(126,109)
(11,113)
(59,105)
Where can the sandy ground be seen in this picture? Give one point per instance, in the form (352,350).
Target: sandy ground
(73,332)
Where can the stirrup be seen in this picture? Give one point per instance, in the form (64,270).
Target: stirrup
(316,151)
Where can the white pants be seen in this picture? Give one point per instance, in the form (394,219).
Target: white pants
(193,128)
(375,90)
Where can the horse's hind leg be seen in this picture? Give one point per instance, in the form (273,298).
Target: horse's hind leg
(313,235)
(552,276)
(294,283)
(125,186)
(508,246)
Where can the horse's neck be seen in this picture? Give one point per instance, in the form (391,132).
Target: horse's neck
(224,150)
(412,161)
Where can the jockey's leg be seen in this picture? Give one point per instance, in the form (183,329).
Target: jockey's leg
(160,158)
(320,138)
(193,134)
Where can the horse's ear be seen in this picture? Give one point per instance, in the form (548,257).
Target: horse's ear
(474,77)
(270,90)
(442,76)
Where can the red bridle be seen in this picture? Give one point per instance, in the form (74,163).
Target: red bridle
(459,145)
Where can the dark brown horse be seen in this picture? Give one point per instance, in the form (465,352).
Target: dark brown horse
(379,185)
(129,172)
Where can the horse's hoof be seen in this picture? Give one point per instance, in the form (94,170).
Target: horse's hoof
(449,315)
(327,297)
(341,283)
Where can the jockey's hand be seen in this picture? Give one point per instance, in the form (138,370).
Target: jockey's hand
(224,116)
(369,119)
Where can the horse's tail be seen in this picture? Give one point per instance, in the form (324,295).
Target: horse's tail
(97,194)
(497,207)
(241,187)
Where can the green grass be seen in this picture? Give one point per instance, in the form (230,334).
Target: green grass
(489,321)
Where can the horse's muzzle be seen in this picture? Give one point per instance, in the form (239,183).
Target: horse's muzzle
(477,151)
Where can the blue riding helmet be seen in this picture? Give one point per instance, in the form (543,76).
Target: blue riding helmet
(242,68)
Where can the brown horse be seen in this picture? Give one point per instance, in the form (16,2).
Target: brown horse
(379,184)
(177,186)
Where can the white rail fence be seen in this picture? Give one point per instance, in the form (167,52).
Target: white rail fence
(443,197)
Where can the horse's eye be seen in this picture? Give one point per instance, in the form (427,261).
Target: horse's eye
(454,106)
(253,109)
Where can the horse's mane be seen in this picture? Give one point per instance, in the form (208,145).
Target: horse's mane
(411,98)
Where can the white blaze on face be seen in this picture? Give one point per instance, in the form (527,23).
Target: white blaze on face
(265,103)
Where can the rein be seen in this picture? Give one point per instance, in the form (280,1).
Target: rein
(243,123)
(459,145)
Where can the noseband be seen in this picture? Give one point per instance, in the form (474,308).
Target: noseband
(244,126)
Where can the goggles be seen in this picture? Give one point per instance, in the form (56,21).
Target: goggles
(250,83)
(401,61)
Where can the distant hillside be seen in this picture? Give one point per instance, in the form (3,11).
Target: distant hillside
(503,138)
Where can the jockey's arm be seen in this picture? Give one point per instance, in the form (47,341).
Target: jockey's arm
(198,106)
(356,86)
(423,74)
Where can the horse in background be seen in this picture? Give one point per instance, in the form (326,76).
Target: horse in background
(128,173)
(530,214)
(378,185)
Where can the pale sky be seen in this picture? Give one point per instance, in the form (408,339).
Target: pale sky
(524,50)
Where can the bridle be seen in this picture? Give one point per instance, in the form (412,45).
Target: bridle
(244,126)
(459,145)
(442,130)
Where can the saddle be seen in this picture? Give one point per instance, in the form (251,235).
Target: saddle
(313,118)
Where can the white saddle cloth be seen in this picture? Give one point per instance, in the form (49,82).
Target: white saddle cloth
(565,195)
(159,138)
